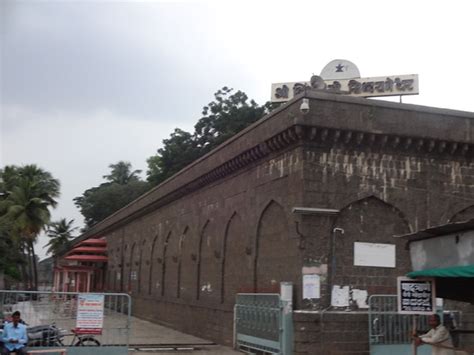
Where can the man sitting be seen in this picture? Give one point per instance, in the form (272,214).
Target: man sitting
(14,336)
(438,337)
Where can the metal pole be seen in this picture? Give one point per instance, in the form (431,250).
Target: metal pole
(413,344)
(234,340)
(129,316)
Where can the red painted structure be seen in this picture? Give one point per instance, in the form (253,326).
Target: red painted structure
(82,269)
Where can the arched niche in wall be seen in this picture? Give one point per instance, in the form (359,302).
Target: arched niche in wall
(209,265)
(364,254)
(131,268)
(142,264)
(110,270)
(463,215)
(171,265)
(278,257)
(156,264)
(165,263)
(118,269)
(237,275)
(125,268)
(146,262)
(188,265)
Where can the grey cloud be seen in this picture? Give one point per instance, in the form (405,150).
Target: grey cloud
(89,56)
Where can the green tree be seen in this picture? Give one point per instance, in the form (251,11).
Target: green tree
(222,118)
(227,115)
(9,176)
(27,194)
(123,186)
(12,258)
(177,152)
(60,234)
(121,173)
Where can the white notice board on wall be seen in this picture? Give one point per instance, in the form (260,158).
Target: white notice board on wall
(311,286)
(374,254)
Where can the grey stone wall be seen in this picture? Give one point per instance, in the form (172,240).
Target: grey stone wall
(331,333)
(379,195)
(225,224)
(190,258)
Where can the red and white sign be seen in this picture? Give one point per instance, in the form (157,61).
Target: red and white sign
(90,314)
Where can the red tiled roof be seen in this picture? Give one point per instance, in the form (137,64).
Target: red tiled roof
(92,250)
(93,258)
(93,241)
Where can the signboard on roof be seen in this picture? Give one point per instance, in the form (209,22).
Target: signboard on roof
(416,296)
(343,76)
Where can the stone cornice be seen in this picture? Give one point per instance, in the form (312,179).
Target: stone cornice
(327,125)
(331,137)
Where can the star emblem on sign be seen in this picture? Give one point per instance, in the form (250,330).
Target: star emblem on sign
(339,68)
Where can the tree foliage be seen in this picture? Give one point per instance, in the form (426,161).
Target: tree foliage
(12,258)
(27,194)
(60,234)
(121,173)
(177,152)
(226,116)
(122,187)
(222,118)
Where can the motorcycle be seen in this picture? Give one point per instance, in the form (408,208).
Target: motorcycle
(52,336)
(44,335)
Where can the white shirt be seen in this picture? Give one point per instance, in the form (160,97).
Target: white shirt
(439,335)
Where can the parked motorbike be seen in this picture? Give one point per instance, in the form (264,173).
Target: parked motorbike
(50,335)
(44,335)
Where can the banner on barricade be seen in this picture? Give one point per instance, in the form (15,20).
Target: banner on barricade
(90,314)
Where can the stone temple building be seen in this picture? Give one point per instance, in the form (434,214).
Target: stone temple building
(294,194)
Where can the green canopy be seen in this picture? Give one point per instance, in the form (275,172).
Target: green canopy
(453,271)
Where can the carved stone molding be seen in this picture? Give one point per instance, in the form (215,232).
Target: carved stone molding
(332,137)
(323,137)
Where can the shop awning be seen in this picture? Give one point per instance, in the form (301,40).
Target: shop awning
(90,258)
(453,271)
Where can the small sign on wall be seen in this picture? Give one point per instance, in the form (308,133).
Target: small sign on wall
(374,254)
(311,286)
(340,296)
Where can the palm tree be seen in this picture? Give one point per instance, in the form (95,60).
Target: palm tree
(121,173)
(29,191)
(12,258)
(8,176)
(60,233)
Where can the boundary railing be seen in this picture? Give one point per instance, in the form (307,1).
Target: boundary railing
(51,319)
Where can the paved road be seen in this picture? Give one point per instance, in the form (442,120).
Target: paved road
(144,332)
(199,350)
(144,336)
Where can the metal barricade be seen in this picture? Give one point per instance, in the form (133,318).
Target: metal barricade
(389,331)
(51,320)
(263,322)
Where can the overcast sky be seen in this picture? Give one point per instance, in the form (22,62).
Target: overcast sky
(88,83)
